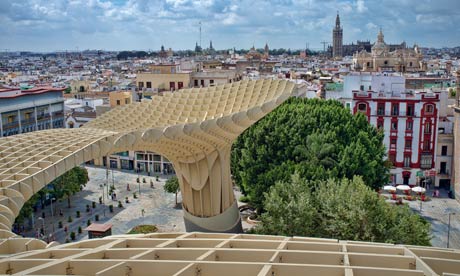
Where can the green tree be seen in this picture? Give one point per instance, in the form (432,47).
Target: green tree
(172,186)
(318,139)
(69,183)
(340,209)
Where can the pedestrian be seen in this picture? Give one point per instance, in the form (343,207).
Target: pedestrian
(60,212)
(65,229)
(127,187)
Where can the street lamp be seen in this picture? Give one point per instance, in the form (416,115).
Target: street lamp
(52,210)
(103,196)
(43,225)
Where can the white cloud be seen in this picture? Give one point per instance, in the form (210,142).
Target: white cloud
(360,6)
(371,26)
(283,23)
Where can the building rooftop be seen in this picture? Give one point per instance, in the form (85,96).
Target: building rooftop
(98,227)
(205,254)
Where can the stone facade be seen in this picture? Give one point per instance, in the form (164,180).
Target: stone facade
(381,58)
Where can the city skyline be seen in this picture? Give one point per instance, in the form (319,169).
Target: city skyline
(38,25)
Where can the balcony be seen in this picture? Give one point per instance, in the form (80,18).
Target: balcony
(44,117)
(10,125)
(28,121)
(394,114)
(444,173)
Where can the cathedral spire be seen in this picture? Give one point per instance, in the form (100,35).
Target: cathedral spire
(380,36)
(337,20)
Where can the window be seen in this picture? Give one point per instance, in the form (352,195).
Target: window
(368,64)
(380,124)
(426,145)
(385,62)
(118,102)
(348,105)
(409,125)
(141,84)
(410,110)
(392,158)
(406,180)
(361,88)
(443,168)
(429,108)
(370,88)
(195,83)
(126,101)
(202,83)
(444,150)
(394,125)
(395,109)
(381,109)
(211,81)
(11,118)
(408,144)
(427,128)
(149,84)
(393,142)
(410,64)
(180,85)
(406,161)
(362,107)
(425,161)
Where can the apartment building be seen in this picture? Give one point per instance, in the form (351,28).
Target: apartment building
(409,120)
(207,78)
(30,109)
(163,77)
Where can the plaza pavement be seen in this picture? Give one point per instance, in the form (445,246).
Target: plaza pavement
(159,206)
(436,211)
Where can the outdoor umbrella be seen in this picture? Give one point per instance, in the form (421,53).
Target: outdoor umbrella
(418,189)
(403,187)
(389,188)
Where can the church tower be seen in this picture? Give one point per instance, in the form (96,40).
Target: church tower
(337,38)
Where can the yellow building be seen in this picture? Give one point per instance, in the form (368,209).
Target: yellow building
(80,86)
(162,81)
(120,98)
(164,68)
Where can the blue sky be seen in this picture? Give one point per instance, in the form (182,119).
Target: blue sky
(48,25)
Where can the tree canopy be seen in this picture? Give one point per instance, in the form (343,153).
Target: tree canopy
(316,138)
(69,183)
(341,209)
(172,186)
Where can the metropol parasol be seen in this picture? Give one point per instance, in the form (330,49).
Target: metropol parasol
(194,128)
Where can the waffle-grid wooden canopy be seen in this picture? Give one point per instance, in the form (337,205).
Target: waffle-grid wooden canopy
(193,128)
(206,254)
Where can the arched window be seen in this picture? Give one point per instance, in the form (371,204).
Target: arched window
(362,107)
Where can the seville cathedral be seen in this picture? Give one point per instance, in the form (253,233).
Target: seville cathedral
(382,59)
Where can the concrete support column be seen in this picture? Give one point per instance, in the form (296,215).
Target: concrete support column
(207,193)
(36,119)
(19,121)
(1,125)
(51,116)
